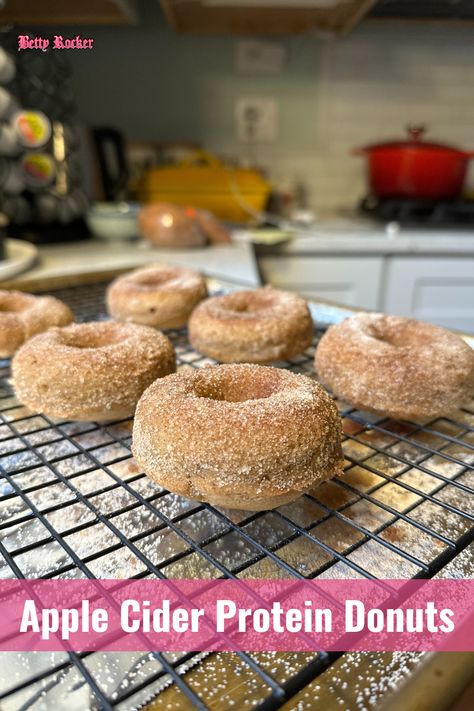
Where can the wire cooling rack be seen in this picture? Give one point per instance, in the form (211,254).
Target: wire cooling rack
(73,504)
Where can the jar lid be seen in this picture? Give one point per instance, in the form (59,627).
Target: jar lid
(33,128)
(38,169)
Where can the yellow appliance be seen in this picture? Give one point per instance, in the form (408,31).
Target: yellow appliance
(203,181)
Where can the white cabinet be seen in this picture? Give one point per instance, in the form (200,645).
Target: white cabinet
(435,289)
(348,280)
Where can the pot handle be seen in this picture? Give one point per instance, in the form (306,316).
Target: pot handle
(416,131)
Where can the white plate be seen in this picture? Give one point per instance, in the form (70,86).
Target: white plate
(19,255)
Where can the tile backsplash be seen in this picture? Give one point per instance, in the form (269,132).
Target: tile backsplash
(368,88)
(375,82)
(332,95)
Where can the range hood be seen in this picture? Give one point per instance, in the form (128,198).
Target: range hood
(456,10)
(331,17)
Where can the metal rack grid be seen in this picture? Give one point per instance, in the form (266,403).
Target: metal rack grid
(74,504)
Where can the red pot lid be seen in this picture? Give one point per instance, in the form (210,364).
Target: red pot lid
(415,134)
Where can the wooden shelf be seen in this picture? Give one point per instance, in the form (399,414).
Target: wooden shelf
(68,12)
(195,17)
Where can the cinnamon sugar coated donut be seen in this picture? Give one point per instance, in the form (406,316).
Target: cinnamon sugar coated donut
(24,315)
(243,436)
(158,296)
(90,371)
(259,326)
(396,366)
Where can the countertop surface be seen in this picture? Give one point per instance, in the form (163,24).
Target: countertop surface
(234,264)
(354,237)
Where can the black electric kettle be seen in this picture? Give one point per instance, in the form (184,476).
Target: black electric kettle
(110,151)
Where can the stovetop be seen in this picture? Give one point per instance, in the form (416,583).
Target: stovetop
(420,213)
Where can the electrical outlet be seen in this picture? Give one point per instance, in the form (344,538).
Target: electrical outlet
(256,119)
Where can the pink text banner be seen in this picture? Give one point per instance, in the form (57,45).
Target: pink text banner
(226,615)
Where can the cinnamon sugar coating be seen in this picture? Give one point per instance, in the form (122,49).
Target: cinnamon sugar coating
(259,326)
(24,315)
(158,296)
(244,436)
(395,366)
(92,371)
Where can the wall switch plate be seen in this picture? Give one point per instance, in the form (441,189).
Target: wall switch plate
(259,57)
(256,119)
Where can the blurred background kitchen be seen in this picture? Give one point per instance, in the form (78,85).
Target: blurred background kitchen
(322,146)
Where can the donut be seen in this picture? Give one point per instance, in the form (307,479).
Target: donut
(166,225)
(260,326)
(245,436)
(158,296)
(396,367)
(90,371)
(24,315)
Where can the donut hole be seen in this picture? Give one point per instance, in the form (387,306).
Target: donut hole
(154,279)
(88,336)
(399,335)
(381,334)
(249,303)
(241,389)
(12,304)
(247,308)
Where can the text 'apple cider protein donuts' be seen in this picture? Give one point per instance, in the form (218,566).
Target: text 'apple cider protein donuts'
(24,315)
(395,366)
(259,326)
(158,296)
(243,436)
(91,371)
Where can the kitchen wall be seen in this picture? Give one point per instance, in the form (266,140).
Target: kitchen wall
(333,95)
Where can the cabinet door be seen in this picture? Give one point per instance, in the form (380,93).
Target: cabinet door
(435,289)
(72,12)
(350,281)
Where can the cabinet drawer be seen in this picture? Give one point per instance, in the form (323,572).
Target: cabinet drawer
(351,281)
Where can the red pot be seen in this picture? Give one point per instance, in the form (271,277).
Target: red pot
(415,168)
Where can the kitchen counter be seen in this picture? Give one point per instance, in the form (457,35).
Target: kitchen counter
(424,274)
(63,265)
(427,274)
(357,238)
